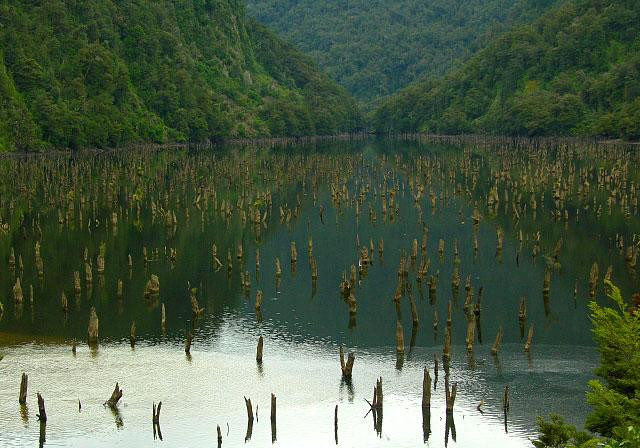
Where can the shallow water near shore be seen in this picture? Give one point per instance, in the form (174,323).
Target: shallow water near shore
(303,322)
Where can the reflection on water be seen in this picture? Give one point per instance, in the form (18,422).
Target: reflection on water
(333,197)
(208,390)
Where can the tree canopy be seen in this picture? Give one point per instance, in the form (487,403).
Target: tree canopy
(574,71)
(106,73)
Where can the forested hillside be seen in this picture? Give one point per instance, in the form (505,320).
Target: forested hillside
(78,73)
(376,47)
(574,71)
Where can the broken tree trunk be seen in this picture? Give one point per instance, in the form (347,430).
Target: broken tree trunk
(132,334)
(116,395)
(399,338)
(273,409)
(259,350)
(42,413)
(426,390)
(247,402)
(93,326)
(496,345)
(347,367)
(527,345)
(187,345)
(22,399)
(505,402)
(156,413)
(450,394)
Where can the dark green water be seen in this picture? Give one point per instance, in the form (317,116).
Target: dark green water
(303,324)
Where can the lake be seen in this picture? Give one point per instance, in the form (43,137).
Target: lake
(545,210)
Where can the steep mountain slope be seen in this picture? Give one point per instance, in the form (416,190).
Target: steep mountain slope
(376,47)
(575,71)
(110,72)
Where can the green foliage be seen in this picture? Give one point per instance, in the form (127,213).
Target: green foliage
(555,433)
(616,399)
(107,73)
(574,71)
(616,403)
(376,47)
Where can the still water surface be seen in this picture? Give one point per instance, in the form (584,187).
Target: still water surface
(303,325)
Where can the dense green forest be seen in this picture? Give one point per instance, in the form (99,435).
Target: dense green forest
(104,73)
(574,71)
(376,47)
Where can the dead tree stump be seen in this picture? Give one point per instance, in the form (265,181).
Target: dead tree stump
(22,399)
(450,394)
(347,367)
(116,395)
(259,350)
(42,413)
(527,345)
(496,345)
(426,390)
(93,327)
(156,413)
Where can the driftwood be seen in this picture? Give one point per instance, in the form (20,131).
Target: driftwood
(116,395)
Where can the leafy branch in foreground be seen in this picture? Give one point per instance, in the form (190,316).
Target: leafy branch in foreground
(615,397)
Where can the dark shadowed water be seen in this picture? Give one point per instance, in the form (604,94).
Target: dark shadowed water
(303,324)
